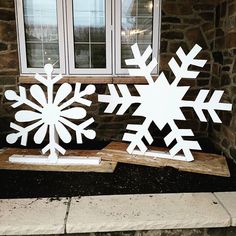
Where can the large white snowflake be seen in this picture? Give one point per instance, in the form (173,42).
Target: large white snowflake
(51,113)
(161,103)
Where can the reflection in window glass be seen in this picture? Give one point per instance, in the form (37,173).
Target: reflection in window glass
(136,26)
(89,33)
(41,33)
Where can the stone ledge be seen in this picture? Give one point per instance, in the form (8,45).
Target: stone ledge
(145,212)
(228,200)
(32,216)
(117,213)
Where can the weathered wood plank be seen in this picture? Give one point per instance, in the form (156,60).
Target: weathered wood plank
(204,163)
(105,166)
(70,79)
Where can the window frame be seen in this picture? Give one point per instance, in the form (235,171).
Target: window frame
(155,40)
(24,69)
(71,51)
(66,41)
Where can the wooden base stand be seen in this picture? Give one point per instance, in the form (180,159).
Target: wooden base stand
(204,163)
(16,159)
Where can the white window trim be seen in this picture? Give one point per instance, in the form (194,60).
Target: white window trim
(66,40)
(90,71)
(155,36)
(22,43)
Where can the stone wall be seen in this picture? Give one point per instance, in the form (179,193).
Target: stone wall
(224,75)
(184,23)
(9,66)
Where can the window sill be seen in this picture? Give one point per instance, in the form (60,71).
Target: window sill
(90,79)
(101,80)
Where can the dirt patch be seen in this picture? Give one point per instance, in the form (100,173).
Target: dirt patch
(127,179)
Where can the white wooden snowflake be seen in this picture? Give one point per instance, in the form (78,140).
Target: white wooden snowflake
(161,103)
(50,114)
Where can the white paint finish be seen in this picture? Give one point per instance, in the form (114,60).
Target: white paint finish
(42,160)
(53,116)
(32,216)
(145,212)
(160,102)
(228,200)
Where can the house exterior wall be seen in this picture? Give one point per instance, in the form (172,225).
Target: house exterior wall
(184,23)
(224,75)
(9,66)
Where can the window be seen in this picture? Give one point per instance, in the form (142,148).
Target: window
(91,37)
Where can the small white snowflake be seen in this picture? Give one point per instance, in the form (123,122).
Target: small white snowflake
(161,103)
(51,114)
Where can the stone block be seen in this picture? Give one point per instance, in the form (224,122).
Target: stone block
(218,57)
(7,14)
(164,59)
(145,212)
(8,80)
(202,83)
(192,21)
(220,43)
(232,9)
(225,79)
(207,26)
(163,46)
(170,19)
(172,35)
(177,9)
(7,32)
(9,60)
(228,200)
(207,16)
(174,46)
(230,41)
(203,7)
(3,46)
(219,32)
(194,35)
(7,4)
(32,216)
(223,9)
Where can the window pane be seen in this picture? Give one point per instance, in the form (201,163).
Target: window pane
(82,59)
(41,33)
(98,59)
(34,55)
(136,26)
(89,33)
(126,53)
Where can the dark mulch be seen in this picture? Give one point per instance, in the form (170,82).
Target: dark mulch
(127,179)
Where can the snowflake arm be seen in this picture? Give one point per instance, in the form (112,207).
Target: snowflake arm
(22,132)
(80,129)
(140,61)
(78,95)
(186,60)
(213,104)
(136,139)
(113,100)
(21,99)
(181,145)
